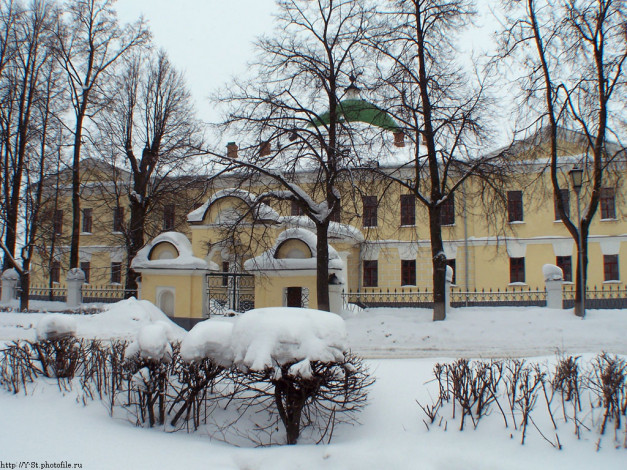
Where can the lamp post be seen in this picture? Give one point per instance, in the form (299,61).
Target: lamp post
(576,176)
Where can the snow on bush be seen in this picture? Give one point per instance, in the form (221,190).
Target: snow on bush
(124,319)
(152,343)
(266,337)
(55,326)
(208,340)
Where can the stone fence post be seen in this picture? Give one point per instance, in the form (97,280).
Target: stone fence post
(10,280)
(75,280)
(447,288)
(553,280)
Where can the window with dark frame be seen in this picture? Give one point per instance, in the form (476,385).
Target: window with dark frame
(514,206)
(168,217)
(296,209)
(565,196)
(86,268)
(225,269)
(116,272)
(118,218)
(58,222)
(451,263)
(55,271)
(371,273)
(565,263)
(608,203)
(516,270)
(87,220)
(370,211)
(408,272)
(447,211)
(408,210)
(610,268)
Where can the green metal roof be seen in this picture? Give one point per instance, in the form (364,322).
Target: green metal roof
(359,110)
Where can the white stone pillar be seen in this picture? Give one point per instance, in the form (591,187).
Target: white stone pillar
(447,289)
(75,280)
(335,298)
(553,280)
(10,280)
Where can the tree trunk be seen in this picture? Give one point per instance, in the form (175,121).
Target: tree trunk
(24,287)
(136,242)
(580,282)
(322,266)
(439,264)
(76,201)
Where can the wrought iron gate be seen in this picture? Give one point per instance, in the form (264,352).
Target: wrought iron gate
(230,292)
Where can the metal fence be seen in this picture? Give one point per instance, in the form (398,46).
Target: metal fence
(105,294)
(42,292)
(608,296)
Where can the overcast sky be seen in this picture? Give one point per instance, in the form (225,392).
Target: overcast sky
(209,40)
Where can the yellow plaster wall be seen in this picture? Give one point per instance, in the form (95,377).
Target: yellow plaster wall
(188,291)
(269,289)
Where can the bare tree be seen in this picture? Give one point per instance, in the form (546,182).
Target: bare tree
(90,42)
(439,108)
(152,133)
(290,114)
(576,78)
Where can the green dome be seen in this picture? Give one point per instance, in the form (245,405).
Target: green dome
(352,110)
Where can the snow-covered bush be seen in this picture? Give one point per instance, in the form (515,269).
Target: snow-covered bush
(205,357)
(532,396)
(147,366)
(58,350)
(294,363)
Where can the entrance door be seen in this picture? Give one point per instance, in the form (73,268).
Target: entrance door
(295,297)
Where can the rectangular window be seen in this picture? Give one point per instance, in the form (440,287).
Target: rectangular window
(55,271)
(118,219)
(225,269)
(610,268)
(408,272)
(58,222)
(168,217)
(296,209)
(566,265)
(447,211)
(87,220)
(514,206)
(370,211)
(116,273)
(408,209)
(86,268)
(371,273)
(565,196)
(451,263)
(608,203)
(516,270)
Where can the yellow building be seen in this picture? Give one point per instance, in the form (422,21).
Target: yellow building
(231,253)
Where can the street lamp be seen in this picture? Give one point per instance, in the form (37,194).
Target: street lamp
(576,176)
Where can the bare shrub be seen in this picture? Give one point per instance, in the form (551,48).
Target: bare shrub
(304,395)
(17,369)
(607,383)
(60,356)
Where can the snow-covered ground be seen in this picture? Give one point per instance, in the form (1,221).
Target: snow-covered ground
(403,346)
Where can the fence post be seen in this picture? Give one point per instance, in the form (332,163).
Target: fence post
(10,279)
(553,280)
(447,289)
(75,280)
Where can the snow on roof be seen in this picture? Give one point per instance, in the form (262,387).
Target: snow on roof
(341,232)
(263,211)
(267,260)
(269,337)
(208,339)
(55,326)
(184,260)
